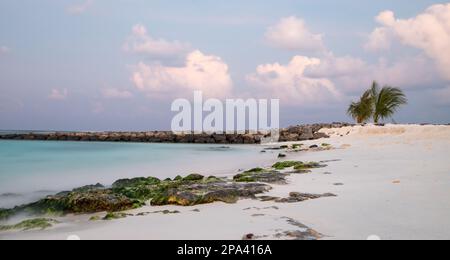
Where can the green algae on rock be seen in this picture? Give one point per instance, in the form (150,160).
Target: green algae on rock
(39,223)
(267,176)
(115,215)
(194,177)
(297,165)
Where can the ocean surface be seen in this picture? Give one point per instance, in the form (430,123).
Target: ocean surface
(30,170)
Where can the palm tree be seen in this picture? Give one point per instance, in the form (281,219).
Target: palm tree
(376,103)
(362,110)
(386,101)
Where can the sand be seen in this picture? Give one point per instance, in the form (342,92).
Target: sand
(394,184)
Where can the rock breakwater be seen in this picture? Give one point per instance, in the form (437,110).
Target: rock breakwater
(294,133)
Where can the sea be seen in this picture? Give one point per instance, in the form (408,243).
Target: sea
(30,170)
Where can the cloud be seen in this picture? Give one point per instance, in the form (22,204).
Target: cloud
(291,85)
(140,42)
(292,34)
(57,94)
(353,74)
(116,93)
(428,31)
(207,73)
(80,8)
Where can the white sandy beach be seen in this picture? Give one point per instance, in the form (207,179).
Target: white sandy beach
(395,185)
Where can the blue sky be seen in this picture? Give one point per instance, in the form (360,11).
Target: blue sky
(94,64)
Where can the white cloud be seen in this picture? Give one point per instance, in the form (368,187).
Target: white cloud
(57,94)
(352,74)
(140,42)
(201,72)
(80,8)
(428,31)
(291,85)
(116,93)
(291,33)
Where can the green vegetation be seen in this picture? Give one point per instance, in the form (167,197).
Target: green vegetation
(94,218)
(285,164)
(376,103)
(297,146)
(114,215)
(193,177)
(297,165)
(39,223)
(254,170)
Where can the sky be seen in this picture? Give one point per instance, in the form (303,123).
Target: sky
(118,65)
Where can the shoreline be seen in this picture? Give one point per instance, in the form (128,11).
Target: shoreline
(391,182)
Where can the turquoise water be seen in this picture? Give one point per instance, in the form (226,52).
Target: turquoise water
(31,169)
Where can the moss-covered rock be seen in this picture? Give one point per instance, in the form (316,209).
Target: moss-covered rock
(39,223)
(254,170)
(114,215)
(96,201)
(135,182)
(203,193)
(308,165)
(87,188)
(129,194)
(285,164)
(94,218)
(5,213)
(297,165)
(194,177)
(297,146)
(267,176)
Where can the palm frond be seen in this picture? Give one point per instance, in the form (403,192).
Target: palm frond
(387,102)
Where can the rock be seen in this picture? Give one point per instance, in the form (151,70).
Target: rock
(202,193)
(94,218)
(248,237)
(297,165)
(284,165)
(91,201)
(294,133)
(299,197)
(267,198)
(193,177)
(267,176)
(39,223)
(95,201)
(86,188)
(6,213)
(135,182)
(115,215)
(167,212)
